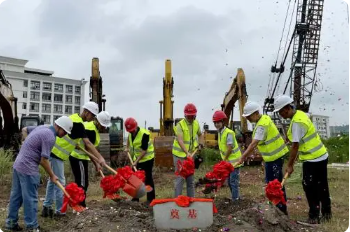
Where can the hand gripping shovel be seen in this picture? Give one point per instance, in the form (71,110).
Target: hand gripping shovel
(147,187)
(134,187)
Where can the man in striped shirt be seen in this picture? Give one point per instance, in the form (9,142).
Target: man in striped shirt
(35,151)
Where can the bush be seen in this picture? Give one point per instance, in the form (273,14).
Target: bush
(210,156)
(6,162)
(338,149)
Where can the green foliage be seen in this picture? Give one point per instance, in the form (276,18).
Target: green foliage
(338,149)
(210,156)
(6,162)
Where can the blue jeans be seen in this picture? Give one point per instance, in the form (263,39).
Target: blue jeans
(53,192)
(179,181)
(233,183)
(24,190)
(274,170)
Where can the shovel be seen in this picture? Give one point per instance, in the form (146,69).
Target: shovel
(77,208)
(147,187)
(134,187)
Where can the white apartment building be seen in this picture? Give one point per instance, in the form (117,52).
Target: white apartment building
(40,93)
(321,123)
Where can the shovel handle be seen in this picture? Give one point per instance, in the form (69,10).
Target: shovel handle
(95,158)
(101,173)
(284,178)
(62,188)
(130,159)
(194,152)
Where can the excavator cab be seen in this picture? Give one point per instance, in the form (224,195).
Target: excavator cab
(30,120)
(116,141)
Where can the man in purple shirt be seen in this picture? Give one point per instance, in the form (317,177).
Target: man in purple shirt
(35,151)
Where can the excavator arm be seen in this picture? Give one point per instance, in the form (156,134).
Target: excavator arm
(237,92)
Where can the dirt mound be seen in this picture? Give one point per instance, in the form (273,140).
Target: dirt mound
(133,216)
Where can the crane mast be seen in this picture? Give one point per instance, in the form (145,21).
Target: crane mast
(96,94)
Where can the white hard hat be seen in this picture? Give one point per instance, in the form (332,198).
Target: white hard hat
(282,101)
(250,108)
(104,118)
(65,123)
(92,107)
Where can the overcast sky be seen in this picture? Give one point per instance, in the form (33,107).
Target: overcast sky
(206,40)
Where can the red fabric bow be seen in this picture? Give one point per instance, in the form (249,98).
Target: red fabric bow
(76,194)
(274,192)
(183,201)
(111,185)
(185,168)
(221,172)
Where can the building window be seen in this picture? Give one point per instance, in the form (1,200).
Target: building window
(76,109)
(35,96)
(46,118)
(25,83)
(77,100)
(35,85)
(46,108)
(34,107)
(77,89)
(58,87)
(46,97)
(69,89)
(58,98)
(69,99)
(57,108)
(25,94)
(55,117)
(47,86)
(24,106)
(68,110)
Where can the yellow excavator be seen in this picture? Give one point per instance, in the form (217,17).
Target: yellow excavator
(164,137)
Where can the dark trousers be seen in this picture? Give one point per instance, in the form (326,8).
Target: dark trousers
(274,170)
(148,168)
(315,184)
(80,169)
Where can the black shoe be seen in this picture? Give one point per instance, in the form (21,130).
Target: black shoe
(33,229)
(59,215)
(310,222)
(15,228)
(45,212)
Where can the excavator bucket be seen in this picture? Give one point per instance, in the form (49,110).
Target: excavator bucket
(163,146)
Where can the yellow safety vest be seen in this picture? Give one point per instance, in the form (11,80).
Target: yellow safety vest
(222,140)
(189,141)
(79,154)
(65,145)
(310,146)
(273,147)
(135,146)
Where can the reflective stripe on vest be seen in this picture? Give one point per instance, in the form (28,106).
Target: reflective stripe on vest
(310,146)
(79,154)
(189,141)
(222,140)
(273,147)
(65,145)
(135,146)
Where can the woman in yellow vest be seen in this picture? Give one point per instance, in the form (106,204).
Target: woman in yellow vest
(270,144)
(229,151)
(184,144)
(140,146)
(60,153)
(307,145)
(79,161)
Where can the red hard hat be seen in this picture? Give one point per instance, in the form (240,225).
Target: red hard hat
(190,110)
(219,116)
(130,124)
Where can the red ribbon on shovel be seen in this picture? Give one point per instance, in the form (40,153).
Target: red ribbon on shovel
(274,191)
(186,167)
(73,196)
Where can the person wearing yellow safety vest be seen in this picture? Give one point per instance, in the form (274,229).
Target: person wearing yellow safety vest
(229,151)
(270,144)
(60,153)
(78,159)
(307,145)
(141,148)
(184,144)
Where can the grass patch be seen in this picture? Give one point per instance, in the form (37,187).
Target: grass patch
(6,162)
(338,149)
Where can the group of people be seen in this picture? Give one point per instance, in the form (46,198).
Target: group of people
(51,146)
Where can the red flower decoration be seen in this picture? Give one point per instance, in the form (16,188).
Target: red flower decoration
(77,195)
(274,192)
(185,168)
